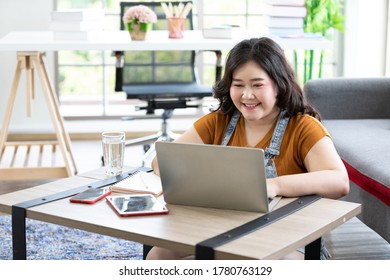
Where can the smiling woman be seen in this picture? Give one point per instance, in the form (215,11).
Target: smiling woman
(261,105)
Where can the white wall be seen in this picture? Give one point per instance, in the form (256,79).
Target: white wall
(365,38)
(21,15)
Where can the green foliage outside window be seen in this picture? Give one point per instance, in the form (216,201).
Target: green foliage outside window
(323,17)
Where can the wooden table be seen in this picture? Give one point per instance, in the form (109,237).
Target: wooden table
(185,227)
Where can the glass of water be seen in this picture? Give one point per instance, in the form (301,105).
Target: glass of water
(113,151)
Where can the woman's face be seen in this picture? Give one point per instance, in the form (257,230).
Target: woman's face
(253,92)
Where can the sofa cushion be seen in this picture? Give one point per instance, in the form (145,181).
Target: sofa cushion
(350,98)
(364,146)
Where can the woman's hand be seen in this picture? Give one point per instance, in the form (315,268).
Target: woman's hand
(326,175)
(272,187)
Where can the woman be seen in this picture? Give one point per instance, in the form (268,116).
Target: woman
(261,105)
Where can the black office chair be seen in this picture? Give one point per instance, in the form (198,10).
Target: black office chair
(163,79)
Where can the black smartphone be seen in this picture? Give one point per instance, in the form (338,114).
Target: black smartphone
(90,196)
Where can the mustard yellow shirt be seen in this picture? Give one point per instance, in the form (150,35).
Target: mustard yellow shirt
(302,132)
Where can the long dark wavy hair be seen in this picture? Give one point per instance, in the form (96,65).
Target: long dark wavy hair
(270,57)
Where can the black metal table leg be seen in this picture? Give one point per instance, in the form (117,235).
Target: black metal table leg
(19,233)
(313,250)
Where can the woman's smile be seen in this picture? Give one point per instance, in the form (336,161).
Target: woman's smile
(251,106)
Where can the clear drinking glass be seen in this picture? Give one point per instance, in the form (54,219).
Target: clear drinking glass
(113,143)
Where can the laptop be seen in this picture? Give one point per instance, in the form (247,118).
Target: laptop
(213,176)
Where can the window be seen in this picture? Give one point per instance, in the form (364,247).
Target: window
(85,79)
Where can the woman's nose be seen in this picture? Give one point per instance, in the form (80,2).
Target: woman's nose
(247,93)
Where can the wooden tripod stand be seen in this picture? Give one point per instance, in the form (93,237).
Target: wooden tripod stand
(31,160)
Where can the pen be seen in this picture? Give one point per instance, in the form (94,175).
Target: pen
(143,181)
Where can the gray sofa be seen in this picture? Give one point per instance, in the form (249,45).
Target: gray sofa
(356,111)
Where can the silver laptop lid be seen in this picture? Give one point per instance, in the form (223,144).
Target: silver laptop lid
(213,176)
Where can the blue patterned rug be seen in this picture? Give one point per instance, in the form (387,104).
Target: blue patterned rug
(47,241)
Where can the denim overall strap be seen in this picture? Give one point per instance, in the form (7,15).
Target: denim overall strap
(230,128)
(274,148)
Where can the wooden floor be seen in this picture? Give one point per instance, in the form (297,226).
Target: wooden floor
(353,240)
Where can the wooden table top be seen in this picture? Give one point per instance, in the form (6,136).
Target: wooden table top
(186,226)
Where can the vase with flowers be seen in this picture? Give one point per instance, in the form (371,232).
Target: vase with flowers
(138,21)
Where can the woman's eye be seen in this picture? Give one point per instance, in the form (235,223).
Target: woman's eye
(237,85)
(257,85)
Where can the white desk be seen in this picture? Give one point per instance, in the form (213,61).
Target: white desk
(29,47)
(157,40)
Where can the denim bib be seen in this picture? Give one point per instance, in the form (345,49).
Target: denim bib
(274,148)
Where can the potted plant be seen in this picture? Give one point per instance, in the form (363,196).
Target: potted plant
(138,21)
